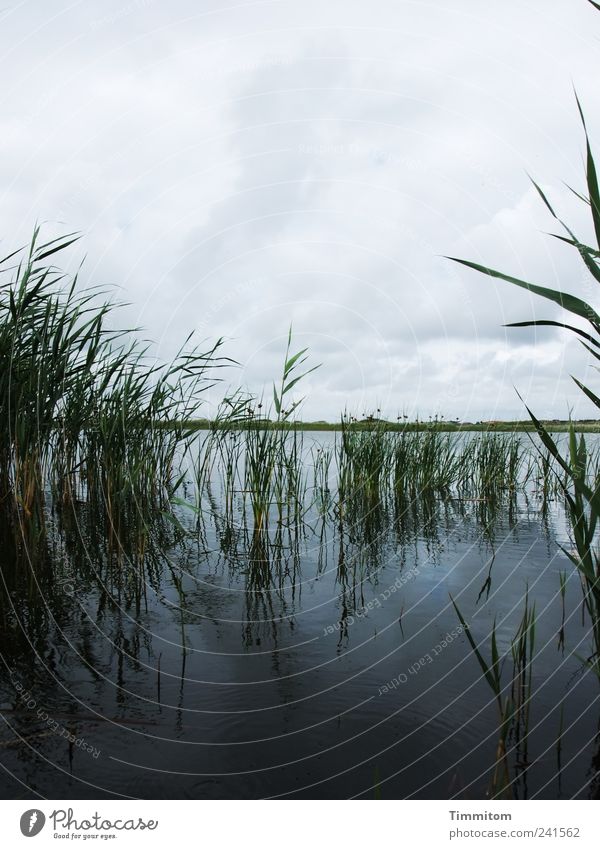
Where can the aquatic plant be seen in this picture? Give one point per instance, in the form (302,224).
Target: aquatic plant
(513,697)
(264,465)
(85,413)
(581,494)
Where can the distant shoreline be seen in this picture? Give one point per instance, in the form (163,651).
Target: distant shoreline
(523,426)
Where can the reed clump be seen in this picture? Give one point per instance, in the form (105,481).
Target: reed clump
(84,412)
(261,470)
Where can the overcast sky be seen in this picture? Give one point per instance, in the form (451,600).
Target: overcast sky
(237,167)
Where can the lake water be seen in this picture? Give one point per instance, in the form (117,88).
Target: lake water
(345,674)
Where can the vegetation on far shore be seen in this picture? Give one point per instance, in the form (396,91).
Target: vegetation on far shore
(441,425)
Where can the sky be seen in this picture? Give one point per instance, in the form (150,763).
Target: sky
(237,168)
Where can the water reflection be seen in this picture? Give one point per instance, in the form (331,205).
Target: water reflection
(231,657)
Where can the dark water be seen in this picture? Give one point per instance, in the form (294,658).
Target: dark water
(345,675)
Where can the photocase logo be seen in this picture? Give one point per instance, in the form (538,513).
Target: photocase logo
(32,822)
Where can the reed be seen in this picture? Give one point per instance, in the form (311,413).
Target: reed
(364,458)
(261,467)
(493,463)
(513,697)
(50,339)
(578,484)
(424,462)
(523,652)
(85,413)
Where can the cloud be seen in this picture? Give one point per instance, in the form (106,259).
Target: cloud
(237,169)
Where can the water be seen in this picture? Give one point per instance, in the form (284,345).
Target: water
(346,674)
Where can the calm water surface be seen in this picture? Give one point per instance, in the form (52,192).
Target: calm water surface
(346,674)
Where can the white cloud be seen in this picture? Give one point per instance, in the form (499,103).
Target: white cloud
(237,168)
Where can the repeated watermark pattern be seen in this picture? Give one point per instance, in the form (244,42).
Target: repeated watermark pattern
(376,602)
(29,702)
(423,661)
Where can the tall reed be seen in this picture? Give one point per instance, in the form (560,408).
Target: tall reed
(580,488)
(87,417)
(513,697)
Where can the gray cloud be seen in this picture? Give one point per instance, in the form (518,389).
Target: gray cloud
(237,169)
